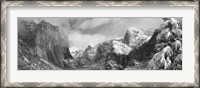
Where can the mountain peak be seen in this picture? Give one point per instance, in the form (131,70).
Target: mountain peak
(133,31)
(134,37)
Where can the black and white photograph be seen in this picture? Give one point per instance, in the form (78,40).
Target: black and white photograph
(99,43)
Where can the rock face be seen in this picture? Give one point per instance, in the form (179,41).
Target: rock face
(145,51)
(113,50)
(90,52)
(134,37)
(45,41)
(66,53)
(120,52)
(161,60)
(28,60)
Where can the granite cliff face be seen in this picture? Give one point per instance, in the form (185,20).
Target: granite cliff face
(28,60)
(44,41)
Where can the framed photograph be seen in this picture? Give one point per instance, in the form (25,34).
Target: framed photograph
(100,43)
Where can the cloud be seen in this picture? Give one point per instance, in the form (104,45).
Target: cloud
(119,27)
(93,23)
(78,39)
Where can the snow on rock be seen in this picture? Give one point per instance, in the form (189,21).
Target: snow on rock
(162,49)
(134,37)
(121,48)
(161,60)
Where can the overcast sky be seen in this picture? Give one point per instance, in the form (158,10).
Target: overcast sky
(81,32)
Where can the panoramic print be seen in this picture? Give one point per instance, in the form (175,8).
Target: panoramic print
(99,43)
